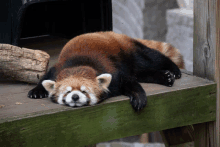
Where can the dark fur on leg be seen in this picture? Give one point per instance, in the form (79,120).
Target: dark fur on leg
(152,60)
(135,92)
(39,91)
(163,77)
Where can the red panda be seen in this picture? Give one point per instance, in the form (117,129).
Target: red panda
(95,66)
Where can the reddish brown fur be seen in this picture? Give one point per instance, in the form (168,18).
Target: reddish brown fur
(102,44)
(83,71)
(76,77)
(108,43)
(111,43)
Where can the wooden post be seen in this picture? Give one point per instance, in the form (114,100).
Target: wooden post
(217,71)
(206,61)
(144,138)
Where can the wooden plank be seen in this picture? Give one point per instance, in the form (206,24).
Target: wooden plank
(217,72)
(165,140)
(179,135)
(204,39)
(12,92)
(144,138)
(109,120)
(206,60)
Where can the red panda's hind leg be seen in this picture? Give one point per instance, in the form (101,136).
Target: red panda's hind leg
(163,77)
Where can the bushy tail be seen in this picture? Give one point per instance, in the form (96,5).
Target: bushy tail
(166,49)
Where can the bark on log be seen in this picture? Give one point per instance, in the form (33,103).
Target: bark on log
(22,64)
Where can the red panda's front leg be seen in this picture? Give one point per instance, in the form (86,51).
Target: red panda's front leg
(39,91)
(135,92)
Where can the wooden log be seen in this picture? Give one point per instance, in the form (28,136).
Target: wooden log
(22,64)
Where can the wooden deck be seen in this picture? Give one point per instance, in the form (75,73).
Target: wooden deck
(191,100)
(14,103)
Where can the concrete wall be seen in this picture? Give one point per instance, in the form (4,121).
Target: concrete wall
(142,18)
(128,17)
(155,25)
(180,33)
(160,20)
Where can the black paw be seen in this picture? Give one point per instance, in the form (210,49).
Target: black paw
(37,92)
(138,101)
(168,78)
(177,74)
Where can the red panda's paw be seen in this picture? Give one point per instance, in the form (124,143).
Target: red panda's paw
(177,73)
(168,78)
(37,92)
(138,101)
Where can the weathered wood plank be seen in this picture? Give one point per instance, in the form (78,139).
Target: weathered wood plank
(179,135)
(204,39)
(217,72)
(112,120)
(204,134)
(12,93)
(144,138)
(206,60)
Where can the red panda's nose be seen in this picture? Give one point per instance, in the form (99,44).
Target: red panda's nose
(75,97)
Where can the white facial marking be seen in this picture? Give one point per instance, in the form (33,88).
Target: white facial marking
(50,94)
(71,104)
(69,98)
(68,88)
(93,99)
(83,88)
(60,99)
(82,97)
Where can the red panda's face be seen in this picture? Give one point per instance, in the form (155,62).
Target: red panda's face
(77,91)
(75,95)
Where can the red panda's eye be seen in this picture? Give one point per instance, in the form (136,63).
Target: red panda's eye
(83,92)
(68,92)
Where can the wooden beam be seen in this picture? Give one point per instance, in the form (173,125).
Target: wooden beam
(206,61)
(110,120)
(217,72)
(144,138)
(179,135)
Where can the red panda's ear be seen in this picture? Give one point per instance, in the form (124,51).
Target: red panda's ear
(104,80)
(48,85)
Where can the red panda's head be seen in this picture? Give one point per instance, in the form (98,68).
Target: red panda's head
(77,89)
